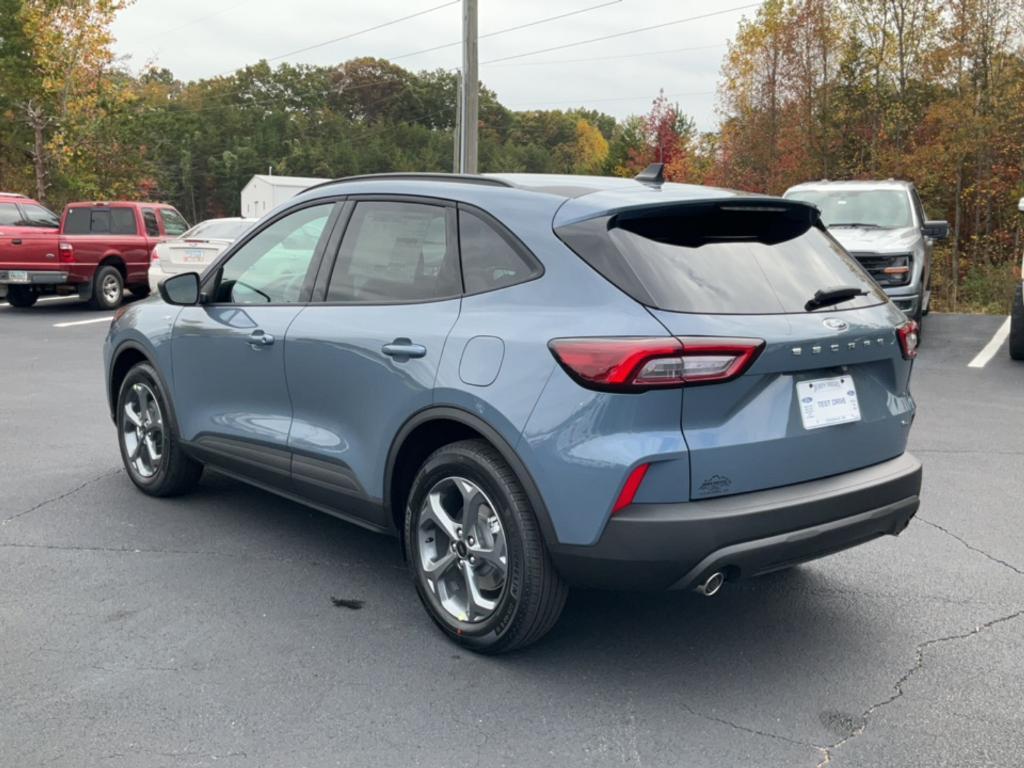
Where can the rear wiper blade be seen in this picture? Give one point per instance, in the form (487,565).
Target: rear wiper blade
(829,296)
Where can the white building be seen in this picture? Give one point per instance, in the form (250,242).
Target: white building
(265,192)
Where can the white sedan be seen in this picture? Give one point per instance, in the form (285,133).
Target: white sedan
(194,249)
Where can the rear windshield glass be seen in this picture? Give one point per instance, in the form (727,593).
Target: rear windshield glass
(881,208)
(217,229)
(711,260)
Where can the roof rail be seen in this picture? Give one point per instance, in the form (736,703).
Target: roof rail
(461,178)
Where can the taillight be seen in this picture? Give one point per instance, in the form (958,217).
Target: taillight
(65,252)
(154,255)
(639,364)
(909,339)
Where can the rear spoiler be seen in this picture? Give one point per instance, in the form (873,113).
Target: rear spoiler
(767,220)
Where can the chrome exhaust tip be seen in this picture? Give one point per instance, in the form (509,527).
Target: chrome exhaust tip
(711,585)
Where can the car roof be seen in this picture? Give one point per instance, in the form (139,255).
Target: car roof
(574,197)
(826,184)
(98,203)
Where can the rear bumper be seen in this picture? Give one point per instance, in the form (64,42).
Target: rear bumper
(33,277)
(676,546)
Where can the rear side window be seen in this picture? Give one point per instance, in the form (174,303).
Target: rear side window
(122,221)
(149,219)
(174,224)
(37,216)
(489,258)
(9,215)
(97,221)
(719,258)
(395,252)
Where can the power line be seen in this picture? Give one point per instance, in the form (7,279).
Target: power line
(622,34)
(549,62)
(364,31)
(510,29)
(614,98)
(166,32)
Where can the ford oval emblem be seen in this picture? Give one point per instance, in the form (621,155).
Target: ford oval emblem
(835,324)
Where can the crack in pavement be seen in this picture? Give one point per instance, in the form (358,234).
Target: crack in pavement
(898,687)
(747,729)
(970,546)
(64,495)
(920,648)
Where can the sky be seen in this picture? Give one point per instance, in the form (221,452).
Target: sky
(619,76)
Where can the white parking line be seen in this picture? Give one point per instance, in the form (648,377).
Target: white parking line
(989,350)
(104,319)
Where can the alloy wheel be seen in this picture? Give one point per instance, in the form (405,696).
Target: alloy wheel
(142,431)
(462,552)
(110,287)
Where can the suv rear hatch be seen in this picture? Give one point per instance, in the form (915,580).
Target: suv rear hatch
(827,392)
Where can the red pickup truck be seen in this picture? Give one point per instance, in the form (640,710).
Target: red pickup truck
(95,250)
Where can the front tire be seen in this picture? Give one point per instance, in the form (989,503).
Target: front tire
(150,445)
(1017,325)
(21,296)
(476,553)
(107,288)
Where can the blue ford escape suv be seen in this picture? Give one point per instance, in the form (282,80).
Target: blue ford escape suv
(535,382)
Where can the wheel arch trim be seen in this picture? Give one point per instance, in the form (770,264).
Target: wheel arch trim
(134,346)
(494,437)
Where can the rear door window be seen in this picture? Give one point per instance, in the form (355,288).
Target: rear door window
(174,224)
(490,259)
(122,221)
(395,252)
(720,259)
(149,219)
(38,216)
(10,216)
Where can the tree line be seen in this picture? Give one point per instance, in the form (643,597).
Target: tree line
(919,89)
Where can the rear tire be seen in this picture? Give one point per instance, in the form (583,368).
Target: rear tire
(21,296)
(149,441)
(467,507)
(1017,325)
(107,288)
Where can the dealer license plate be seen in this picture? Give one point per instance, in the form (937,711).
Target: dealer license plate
(827,402)
(17,276)
(193,255)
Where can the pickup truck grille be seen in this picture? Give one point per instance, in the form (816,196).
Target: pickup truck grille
(877,264)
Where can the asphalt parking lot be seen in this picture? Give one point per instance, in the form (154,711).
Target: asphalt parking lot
(201,631)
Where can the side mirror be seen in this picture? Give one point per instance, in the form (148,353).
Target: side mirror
(936,230)
(181,290)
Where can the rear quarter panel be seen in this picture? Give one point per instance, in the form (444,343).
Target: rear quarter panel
(577,445)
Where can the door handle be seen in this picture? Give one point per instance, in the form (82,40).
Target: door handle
(403,349)
(16,241)
(259,339)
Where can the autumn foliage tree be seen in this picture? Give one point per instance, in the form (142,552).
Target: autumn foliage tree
(924,90)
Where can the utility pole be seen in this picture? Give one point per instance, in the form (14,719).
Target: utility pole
(470,92)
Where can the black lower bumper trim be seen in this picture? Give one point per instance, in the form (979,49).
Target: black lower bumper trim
(675,546)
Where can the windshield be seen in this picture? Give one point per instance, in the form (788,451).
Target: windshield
(883,208)
(222,229)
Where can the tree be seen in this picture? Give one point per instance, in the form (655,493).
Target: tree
(591,150)
(69,83)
